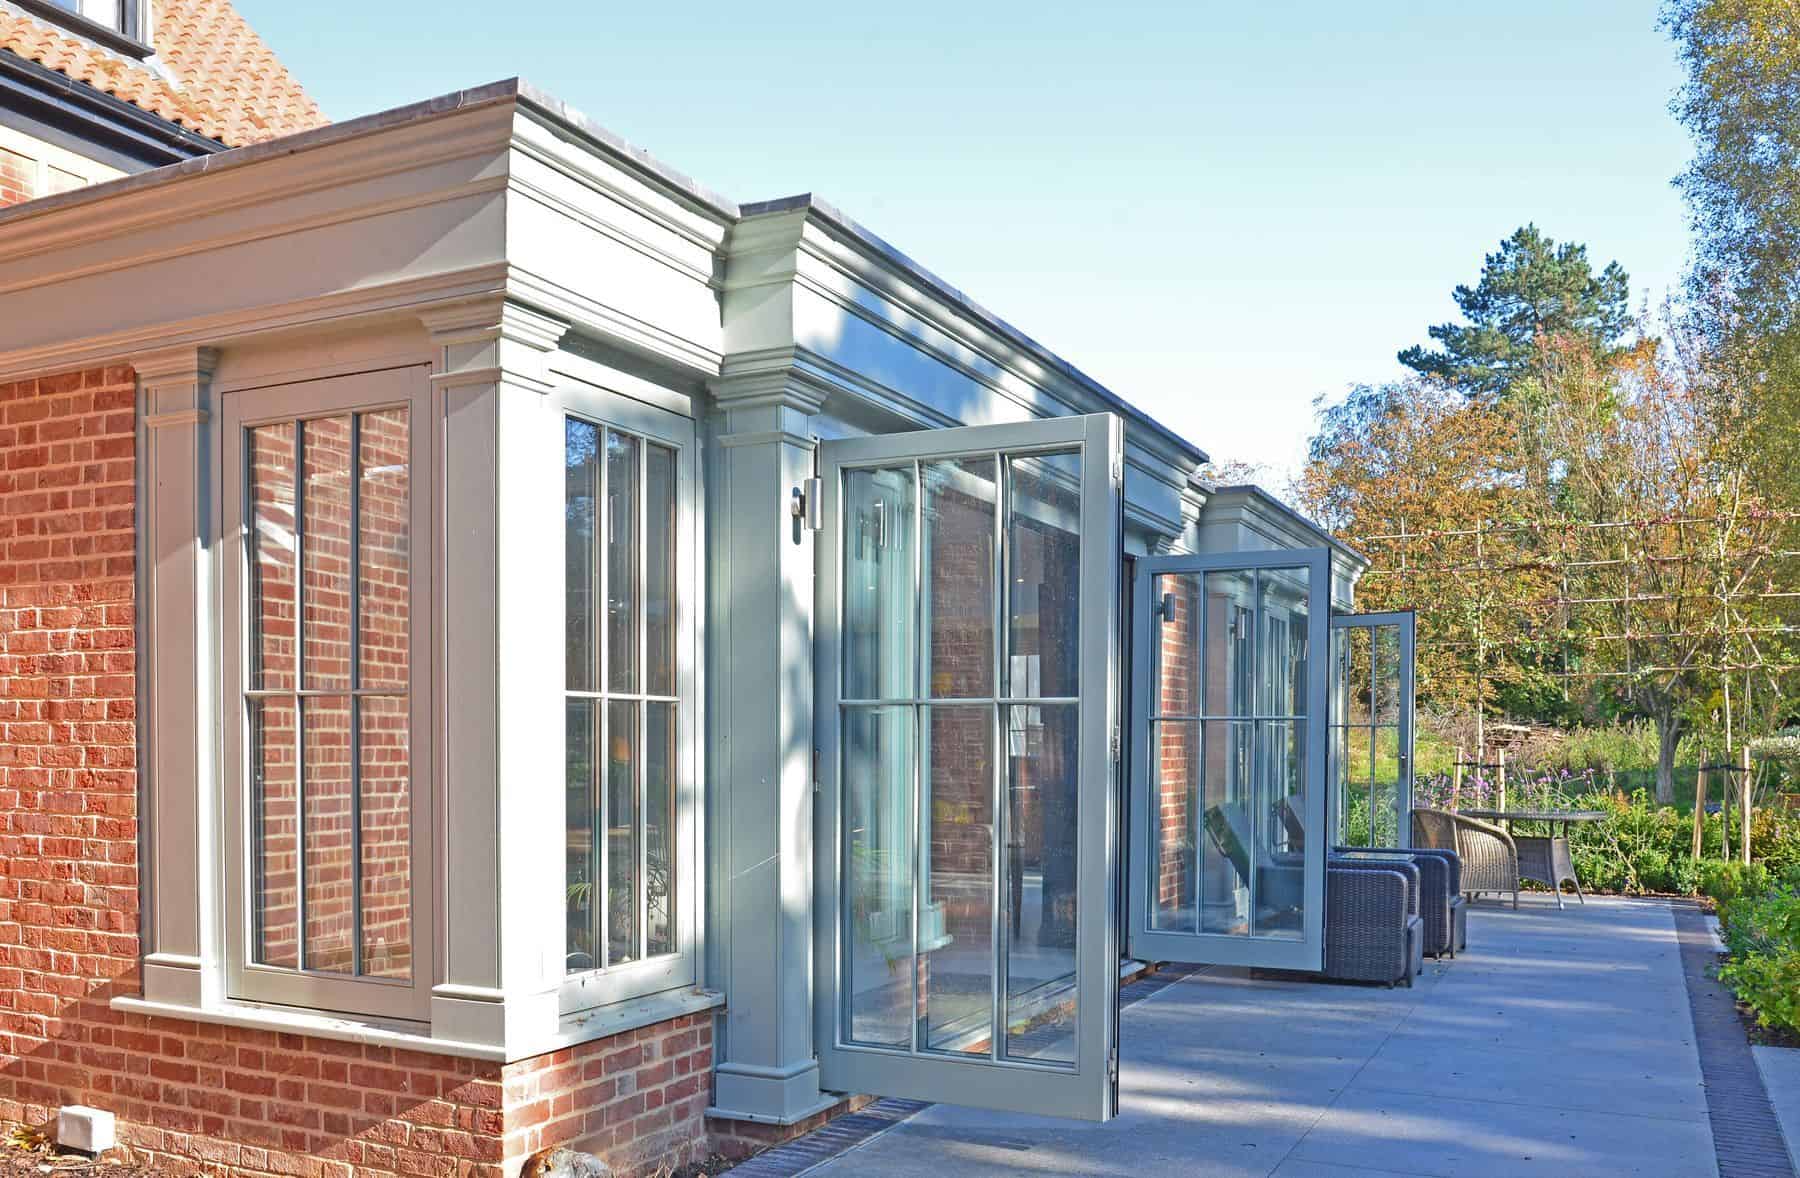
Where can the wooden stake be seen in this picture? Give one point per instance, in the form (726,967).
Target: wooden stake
(1502,760)
(1456,778)
(1699,809)
(1744,806)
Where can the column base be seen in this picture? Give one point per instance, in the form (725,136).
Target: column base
(769,1096)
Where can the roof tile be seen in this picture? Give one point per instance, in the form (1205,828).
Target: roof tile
(225,83)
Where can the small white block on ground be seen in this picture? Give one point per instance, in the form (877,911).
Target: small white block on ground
(1780,1068)
(91,1130)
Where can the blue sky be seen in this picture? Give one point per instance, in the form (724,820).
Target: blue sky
(1220,211)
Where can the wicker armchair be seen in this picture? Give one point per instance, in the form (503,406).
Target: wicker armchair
(1490,858)
(1372,928)
(1440,898)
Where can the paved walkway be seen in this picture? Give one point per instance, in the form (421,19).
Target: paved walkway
(1560,1044)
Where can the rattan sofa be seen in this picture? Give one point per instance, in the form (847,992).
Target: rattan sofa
(1490,858)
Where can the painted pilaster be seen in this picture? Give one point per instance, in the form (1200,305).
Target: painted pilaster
(177,719)
(762,699)
(499,676)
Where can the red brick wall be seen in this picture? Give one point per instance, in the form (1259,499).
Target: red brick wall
(227,1100)
(18,178)
(1175,742)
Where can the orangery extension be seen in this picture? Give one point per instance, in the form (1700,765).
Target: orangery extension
(502,647)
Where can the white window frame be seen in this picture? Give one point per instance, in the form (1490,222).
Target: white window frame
(606,985)
(241,410)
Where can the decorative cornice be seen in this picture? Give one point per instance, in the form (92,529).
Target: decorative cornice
(186,364)
(771,378)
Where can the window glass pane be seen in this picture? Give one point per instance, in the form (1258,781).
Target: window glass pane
(879,601)
(1043,563)
(327,822)
(659,568)
(1279,808)
(581,803)
(961,498)
(1282,659)
(325,552)
(1229,635)
(1175,747)
(270,535)
(622,884)
(1228,841)
(581,477)
(879,964)
(275,820)
(659,827)
(1043,750)
(384,759)
(956,980)
(1176,637)
(383,548)
(622,552)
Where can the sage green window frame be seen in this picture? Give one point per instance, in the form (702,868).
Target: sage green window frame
(605,984)
(1148,942)
(241,411)
(1085,1087)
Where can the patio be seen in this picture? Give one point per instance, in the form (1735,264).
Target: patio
(1561,1043)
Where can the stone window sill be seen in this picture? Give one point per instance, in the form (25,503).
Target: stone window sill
(599,1023)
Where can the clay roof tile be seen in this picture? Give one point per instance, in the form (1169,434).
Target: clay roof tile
(225,82)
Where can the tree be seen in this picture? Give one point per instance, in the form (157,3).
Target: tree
(1419,478)
(1530,288)
(1663,542)
(1742,106)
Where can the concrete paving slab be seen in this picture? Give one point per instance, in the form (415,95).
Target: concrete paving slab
(1572,1027)
(1649,1085)
(1780,1068)
(1490,1139)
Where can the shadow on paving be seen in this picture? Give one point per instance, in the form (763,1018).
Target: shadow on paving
(1561,1043)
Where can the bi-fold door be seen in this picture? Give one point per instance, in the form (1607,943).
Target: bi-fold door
(1229,786)
(1372,728)
(967,652)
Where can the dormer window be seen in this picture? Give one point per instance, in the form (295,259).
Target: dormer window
(123,25)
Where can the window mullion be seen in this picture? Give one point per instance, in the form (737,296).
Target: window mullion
(602,849)
(299,685)
(999,928)
(355,681)
(641,813)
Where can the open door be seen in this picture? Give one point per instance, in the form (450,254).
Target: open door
(1228,776)
(967,662)
(1372,728)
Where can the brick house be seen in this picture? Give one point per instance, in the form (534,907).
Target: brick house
(389,504)
(91,90)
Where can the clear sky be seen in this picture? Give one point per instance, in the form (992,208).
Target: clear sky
(1220,211)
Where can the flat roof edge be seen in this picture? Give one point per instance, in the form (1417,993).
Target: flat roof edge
(873,242)
(238,157)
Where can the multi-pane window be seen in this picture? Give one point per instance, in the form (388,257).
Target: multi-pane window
(621,686)
(118,15)
(327,693)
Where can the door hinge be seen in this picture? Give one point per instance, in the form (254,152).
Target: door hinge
(1115,743)
(1118,470)
(815,769)
(1112,1064)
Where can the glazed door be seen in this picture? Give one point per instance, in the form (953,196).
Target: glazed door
(1228,776)
(1372,728)
(967,646)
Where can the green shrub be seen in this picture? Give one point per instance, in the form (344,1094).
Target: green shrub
(1763,934)
(1725,882)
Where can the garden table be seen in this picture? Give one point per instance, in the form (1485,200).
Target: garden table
(1544,858)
